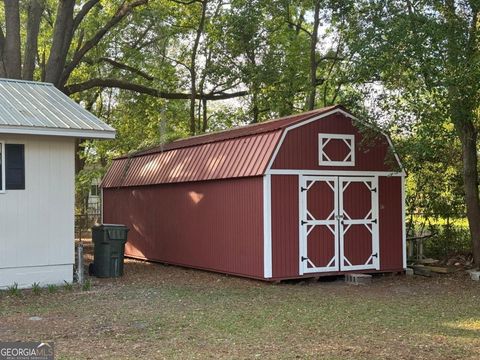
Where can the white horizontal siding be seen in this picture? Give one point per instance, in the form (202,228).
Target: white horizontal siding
(37,224)
(42,275)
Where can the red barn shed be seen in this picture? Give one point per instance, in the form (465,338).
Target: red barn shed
(303,195)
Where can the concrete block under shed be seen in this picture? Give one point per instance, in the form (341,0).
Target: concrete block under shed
(409,271)
(358,279)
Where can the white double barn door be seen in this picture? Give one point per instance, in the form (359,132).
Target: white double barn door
(338,223)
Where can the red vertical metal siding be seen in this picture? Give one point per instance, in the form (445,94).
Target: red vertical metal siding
(213,225)
(390,223)
(300,147)
(285,223)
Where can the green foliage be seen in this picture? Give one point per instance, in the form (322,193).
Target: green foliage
(83,183)
(87,285)
(52,288)
(447,240)
(14,290)
(416,64)
(245,45)
(36,289)
(434,185)
(68,286)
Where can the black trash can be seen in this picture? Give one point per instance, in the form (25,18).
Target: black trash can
(109,249)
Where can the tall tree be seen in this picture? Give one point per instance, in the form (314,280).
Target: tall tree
(11,51)
(67,21)
(313,56)
(35,10)
(428,48)
(193,64)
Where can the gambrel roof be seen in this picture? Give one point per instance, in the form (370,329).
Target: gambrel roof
(240,152)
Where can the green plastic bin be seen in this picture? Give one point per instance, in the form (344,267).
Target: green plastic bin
(109,249)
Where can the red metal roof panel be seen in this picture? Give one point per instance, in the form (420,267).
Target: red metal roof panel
(238,157)
(239,152)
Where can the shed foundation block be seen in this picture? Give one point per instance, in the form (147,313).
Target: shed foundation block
(358,279)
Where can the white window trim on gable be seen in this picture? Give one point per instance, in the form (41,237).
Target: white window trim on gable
(2,169)
(323,140)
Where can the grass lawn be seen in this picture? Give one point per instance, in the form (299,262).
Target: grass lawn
(158,311)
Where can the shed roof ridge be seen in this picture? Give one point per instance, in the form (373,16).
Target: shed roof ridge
(172,145)
(158,148)
(39,83)
(252,125)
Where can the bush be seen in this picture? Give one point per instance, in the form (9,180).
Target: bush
(447,240)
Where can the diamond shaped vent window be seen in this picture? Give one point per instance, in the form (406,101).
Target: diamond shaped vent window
(336,149)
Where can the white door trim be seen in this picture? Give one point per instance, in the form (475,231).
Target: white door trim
(267,227)
(334,173)
(372,221)
(404,230)
(301,212)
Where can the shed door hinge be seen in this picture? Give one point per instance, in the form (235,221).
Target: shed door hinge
(303,222)
(303,189)
(375,255)
(373,190)
(303,258)
(374,221)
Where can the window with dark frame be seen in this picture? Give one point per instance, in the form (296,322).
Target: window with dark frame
(12,166)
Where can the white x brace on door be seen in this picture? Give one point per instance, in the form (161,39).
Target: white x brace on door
(338,224)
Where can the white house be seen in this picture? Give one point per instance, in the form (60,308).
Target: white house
(38,129)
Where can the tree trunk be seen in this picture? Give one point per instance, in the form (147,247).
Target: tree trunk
(193,128)
(462,101)
(35,10)
(58,53)
(470,179)
(12,54)
(79,161)
(193,71)
(3,71)
(313,58)
(204,115)
(124,10)
(255,110)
